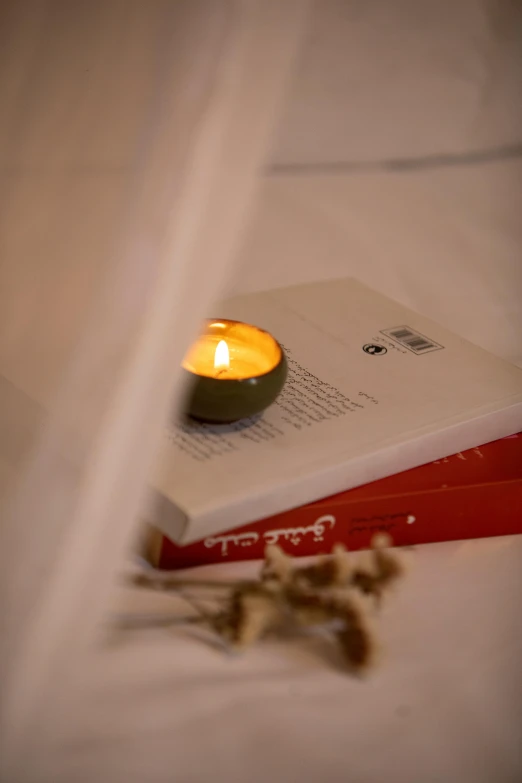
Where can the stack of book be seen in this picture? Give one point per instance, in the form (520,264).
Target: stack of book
(376,399)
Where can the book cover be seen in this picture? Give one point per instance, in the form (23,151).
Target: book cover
(472,494)
(373,389)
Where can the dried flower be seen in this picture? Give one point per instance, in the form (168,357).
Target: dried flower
(331,591)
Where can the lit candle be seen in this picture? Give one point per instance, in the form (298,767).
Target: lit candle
(222,359)
(237,370)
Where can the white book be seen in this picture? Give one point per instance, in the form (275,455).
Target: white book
(373,389)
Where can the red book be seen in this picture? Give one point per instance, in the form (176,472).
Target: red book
(472,494)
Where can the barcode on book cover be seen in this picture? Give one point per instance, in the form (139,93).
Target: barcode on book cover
(414,341)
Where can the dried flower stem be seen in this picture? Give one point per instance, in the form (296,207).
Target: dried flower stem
(165,581)
(128,621)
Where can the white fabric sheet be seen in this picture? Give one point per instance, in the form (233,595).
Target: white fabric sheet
(380,82)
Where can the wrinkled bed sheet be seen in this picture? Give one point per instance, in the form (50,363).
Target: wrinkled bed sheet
(437,85)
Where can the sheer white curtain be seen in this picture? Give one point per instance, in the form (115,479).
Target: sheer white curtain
(131,134)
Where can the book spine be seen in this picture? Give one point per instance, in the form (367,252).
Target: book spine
(425,517)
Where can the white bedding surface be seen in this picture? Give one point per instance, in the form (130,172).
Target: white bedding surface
(443,237)
(446,702)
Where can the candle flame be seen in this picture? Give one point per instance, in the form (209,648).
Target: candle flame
(221,357)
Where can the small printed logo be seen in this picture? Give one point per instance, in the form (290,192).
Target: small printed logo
(375,350)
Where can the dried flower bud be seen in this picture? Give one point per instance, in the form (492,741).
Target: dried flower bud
(388,565)
(358,647)
(278,566)
(379,569)
(357,639)
(252,611)
(329,571)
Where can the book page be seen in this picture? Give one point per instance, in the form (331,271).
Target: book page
(305,402)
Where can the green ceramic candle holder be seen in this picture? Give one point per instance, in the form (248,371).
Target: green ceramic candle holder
(235,370)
